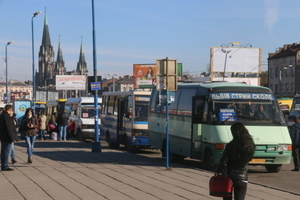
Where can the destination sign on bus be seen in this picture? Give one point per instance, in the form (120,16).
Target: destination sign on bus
(250,96)
(140,98)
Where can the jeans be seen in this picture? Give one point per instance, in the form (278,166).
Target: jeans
(63,132)
(5,151)
(12,151)
(30,144)
(239,190)
(42,133)
(296,156)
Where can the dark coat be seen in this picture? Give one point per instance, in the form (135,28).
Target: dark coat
(236,164)
(62,119)
(7,128)
(24,126)
(295,134)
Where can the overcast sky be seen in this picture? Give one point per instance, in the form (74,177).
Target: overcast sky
(141,31)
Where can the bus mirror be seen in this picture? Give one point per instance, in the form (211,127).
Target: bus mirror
(129,113)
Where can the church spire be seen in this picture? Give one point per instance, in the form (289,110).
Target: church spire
(60,63)
(81,65)
(46,42)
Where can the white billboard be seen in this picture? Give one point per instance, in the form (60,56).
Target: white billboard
(249,81)
(71,82)
(239,59)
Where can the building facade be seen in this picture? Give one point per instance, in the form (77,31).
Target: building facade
(16,91)
(283,67)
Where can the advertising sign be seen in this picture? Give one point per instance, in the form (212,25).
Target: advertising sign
(71,82)
(20,108)
(144,75)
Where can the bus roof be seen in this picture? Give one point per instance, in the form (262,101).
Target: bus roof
(135,92)
(82,100)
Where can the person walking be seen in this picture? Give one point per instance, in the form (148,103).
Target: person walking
(29,126)
(7,136)
(295,136)
(12,152)
(62,121)
(71,129)
(42,125)
(238,152)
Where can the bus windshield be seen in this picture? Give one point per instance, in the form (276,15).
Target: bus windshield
(141,107)
(248,108)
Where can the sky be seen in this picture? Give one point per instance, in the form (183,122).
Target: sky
(140,31)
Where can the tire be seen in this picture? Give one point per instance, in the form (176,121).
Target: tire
(273,168)
(209,161)
(111,144)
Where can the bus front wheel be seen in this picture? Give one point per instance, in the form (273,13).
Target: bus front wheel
(273,168)
(209,161)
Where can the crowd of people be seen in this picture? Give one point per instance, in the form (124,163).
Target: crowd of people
(30,127)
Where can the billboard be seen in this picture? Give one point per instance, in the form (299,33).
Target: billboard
(20,108)
(239,59)
(144,75)
(71,82)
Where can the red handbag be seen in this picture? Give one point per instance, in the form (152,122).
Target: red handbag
(220,186)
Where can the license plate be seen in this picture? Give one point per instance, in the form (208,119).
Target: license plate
(257,161)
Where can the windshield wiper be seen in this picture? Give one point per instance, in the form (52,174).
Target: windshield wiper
(268,119)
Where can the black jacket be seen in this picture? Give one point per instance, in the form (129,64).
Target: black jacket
(7,128)
(24,126)
(236,162)
(295,134)
(62,119)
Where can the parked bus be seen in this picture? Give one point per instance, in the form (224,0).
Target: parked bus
(295,110)
(124,119)
(82,111)
(201,115)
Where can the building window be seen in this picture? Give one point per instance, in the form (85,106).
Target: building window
(271,87)
(276,88)
(292,70)
(286,88)
(292,87)
(271,72)
(276,71)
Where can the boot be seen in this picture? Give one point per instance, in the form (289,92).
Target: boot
(29,160)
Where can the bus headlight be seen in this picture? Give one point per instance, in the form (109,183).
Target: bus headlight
(284,147)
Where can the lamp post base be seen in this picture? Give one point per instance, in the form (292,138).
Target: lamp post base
(96,147)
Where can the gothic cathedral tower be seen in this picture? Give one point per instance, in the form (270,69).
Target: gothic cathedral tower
(46,58)
(60,63)
(81,65)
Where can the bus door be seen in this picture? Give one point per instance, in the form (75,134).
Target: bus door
(199,113)
(121,112)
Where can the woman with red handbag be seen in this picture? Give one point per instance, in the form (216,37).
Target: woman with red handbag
(238,152)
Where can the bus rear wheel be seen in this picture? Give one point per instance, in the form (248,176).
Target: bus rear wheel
(273,168)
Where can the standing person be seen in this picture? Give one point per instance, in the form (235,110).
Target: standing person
(260,113)
(295,136)
(238,152)
(29,126)
(52,125)
(12,152)
(7,136)
(62,121)
(71,128)
(42,125)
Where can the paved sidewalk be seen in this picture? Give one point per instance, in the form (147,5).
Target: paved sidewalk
(69,170)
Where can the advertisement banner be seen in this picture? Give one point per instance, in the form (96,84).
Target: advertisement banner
(71,82)
(20,108)
(144,75)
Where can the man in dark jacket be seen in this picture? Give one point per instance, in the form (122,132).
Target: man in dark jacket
(7,136)
(295,135)
(62,121)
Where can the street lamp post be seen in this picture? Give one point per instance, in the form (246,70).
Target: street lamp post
(33,68)
(96,146)
(6,71)
(226,53)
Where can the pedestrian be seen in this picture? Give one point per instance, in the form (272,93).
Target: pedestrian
(238,152)
(62,121)
(42,125)
(12,152)
(295,136)
(29,126)
(7,136)
(71,129)
(52,126)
